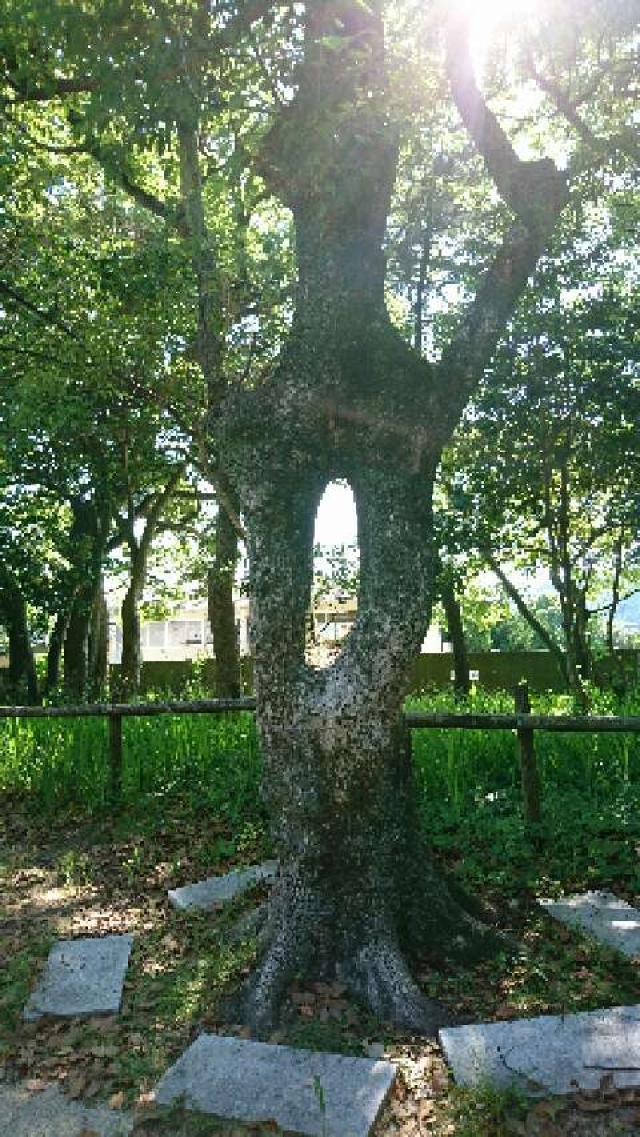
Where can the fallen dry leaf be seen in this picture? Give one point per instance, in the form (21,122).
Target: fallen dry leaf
(36,1085)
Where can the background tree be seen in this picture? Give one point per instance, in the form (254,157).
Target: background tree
(549,456)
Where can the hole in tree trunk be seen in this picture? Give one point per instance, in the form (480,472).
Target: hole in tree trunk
(336,563)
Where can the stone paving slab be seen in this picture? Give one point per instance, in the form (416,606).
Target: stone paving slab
(49,1113)
(81,977)
(551,1053)
(601,914)
(210,894)
(249,1081)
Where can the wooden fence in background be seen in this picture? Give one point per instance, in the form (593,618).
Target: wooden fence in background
(522,722)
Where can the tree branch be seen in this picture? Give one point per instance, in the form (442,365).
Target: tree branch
(627,142)
(485,319)
(52,89)
(50,148)
(113,169)
(525,611)
(210,334)
(535,191)
(155,512)
(46,317)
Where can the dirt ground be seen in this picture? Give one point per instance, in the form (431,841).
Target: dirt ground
(64,879)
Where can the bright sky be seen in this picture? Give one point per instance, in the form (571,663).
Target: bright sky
(486,16)
(336,518)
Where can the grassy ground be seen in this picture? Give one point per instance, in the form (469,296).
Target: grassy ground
(67,878)
(191,809)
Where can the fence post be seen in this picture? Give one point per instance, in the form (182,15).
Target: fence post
(529,775)
(115,753)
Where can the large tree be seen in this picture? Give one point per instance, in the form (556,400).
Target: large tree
(350,399)
(302,93)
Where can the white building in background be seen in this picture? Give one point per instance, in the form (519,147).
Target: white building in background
(332,621)
(186,634)
(183,636)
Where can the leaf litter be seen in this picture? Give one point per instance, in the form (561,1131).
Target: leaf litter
(180,966)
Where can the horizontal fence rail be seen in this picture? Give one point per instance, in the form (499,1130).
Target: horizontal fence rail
(414,720)
(522,722)
(130,710)
(417,720)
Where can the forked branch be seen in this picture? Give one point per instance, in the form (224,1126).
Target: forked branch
(535,191)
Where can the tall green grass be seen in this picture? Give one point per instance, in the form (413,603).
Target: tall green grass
(65,762)
(463,767)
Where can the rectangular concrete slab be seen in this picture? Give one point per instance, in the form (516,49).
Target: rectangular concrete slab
(51,1114)
(81,977)
(601,914)
(552,1053)
(210,894)
(319,1095)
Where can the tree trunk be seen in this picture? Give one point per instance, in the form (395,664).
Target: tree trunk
(615,589)
(54,651)
(99,642)
(357,890)
(76,647)
(131,665)
(453,613)
(23,683)
(221,611)
(88,537)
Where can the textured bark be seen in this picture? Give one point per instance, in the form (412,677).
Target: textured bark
(357,889)
(23,683)
(221,611)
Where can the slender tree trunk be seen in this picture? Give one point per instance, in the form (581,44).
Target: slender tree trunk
(23,683)
(88,537)
(221,610)
(453,613)
(534,623)
(131,664)
(54,651)
(76,647)
(99,642)
(575,647)
(615,590)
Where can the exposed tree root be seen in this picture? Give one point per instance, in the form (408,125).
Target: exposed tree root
(286,943)
(252,924)
(304,938)
(378,975)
